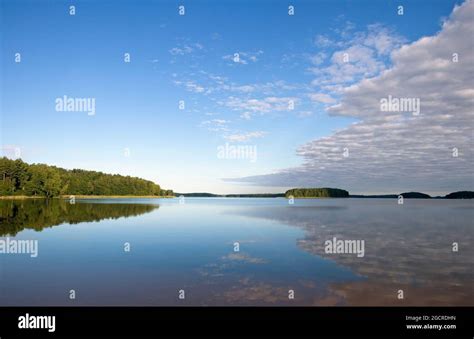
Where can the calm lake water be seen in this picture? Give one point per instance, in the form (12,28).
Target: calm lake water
(190,247)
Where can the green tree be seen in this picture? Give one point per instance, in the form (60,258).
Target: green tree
(19,178)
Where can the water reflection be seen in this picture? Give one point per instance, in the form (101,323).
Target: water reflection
(191,246)
(37,214)
(407,247)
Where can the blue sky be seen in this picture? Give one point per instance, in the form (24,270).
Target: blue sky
(283,61)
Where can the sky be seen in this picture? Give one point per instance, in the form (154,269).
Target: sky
(298,95)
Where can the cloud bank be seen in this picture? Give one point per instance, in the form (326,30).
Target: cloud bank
(396,151)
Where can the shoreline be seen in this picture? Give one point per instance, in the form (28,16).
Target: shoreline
(68,196)
(85,197)
(91,197)
(20,197)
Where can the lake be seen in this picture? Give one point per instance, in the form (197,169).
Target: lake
(237,251)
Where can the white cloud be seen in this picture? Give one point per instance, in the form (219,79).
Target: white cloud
(216,125)
(193,87)
(267,88)
(397,151)
(322,40)
(359,55)
(261,106)
(318,58)
(246,115)
(244,136)
(347,65)
(208,83)
(321,97)
(382,40)
(185,49)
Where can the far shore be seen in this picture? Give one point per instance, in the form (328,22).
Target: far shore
(407,195)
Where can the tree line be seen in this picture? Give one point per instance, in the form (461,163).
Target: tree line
(20,178)
(317,193)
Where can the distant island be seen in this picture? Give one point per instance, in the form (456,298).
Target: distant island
(21,180)
(419,195)
(407,195)
(460,195)
(323,192)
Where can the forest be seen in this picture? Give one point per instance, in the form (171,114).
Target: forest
(20,178)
